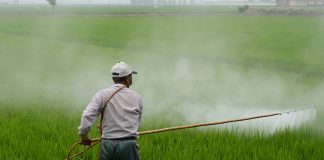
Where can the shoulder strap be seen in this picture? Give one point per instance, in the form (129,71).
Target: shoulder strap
(103,109)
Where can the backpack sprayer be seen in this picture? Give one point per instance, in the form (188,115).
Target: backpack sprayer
(97,140)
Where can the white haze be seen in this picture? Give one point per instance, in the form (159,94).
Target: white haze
(181,89)
(201,93)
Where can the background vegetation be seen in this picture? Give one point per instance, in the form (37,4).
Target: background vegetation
(51,66)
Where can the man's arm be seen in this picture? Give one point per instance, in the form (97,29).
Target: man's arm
(89,117)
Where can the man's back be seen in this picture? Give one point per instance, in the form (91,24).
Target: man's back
(122,114)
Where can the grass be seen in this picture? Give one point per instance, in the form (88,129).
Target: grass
(40,131)
(52,65)
(213,144)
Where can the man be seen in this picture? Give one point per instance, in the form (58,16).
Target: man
(121,117)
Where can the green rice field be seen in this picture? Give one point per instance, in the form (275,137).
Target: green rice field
(192,69)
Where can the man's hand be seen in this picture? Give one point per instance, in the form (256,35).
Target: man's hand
(85,140)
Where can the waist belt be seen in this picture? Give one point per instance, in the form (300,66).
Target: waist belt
(121,139)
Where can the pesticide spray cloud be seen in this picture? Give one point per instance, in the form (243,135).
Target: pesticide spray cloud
(188,72)
(223,94)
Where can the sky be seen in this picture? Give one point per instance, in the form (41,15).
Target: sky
(109,1)
(65,1)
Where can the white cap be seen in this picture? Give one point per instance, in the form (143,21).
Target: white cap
(121,69)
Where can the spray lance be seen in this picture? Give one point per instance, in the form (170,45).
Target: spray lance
(74,152)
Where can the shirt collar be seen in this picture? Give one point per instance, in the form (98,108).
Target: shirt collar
(118,85)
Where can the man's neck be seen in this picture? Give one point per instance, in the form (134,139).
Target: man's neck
(124,83)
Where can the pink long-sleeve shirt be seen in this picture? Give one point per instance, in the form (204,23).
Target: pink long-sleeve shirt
(122,114)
